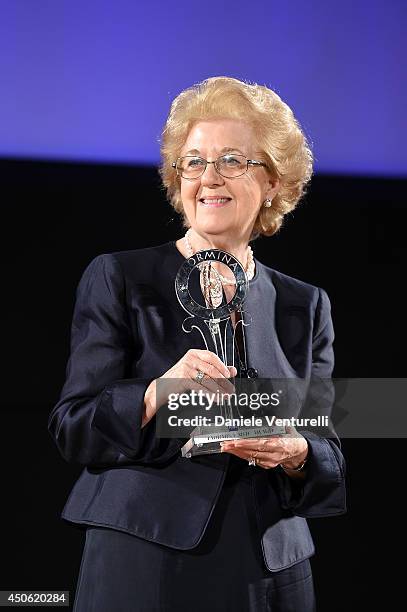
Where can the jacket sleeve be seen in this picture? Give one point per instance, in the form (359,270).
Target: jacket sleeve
(97,420)
(322,492)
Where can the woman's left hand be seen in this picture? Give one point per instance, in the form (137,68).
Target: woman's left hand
(289,450)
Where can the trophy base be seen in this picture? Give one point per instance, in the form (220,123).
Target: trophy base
(206,440)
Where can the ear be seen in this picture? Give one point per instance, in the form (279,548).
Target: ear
(274,185)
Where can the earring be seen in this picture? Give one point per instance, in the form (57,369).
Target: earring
(267,202)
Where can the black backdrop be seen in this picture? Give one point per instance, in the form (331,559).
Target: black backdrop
(348,236)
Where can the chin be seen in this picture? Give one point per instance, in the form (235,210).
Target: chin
(213,229)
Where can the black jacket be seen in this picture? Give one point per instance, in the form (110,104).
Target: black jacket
(126,331)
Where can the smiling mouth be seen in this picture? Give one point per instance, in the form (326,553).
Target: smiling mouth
(215,202)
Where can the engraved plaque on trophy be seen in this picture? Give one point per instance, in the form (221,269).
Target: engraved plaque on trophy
(211,317)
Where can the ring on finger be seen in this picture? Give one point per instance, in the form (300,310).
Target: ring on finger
(199,376)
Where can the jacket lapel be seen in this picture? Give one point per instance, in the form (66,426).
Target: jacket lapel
(263,348)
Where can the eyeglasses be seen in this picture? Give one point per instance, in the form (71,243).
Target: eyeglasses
(229,166)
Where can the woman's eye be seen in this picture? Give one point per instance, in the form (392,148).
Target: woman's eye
(231,161)
(195,162)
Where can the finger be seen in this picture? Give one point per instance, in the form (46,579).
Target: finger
(248,441)
(265,459)
(257,443)
(213,391)
(238,447)
(264,455)
(215,361)
(232,370)
(211,374)
(208,385)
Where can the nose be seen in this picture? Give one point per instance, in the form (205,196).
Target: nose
(211,176)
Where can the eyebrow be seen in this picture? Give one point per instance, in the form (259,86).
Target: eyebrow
(224,150)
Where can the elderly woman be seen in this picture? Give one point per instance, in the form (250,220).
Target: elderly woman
(224,531)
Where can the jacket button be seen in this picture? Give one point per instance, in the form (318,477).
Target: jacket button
(252,373)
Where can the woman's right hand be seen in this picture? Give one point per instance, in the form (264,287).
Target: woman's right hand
(181,377)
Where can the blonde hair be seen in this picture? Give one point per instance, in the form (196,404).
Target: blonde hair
(279,136)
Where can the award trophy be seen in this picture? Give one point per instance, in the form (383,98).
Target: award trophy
(213,321)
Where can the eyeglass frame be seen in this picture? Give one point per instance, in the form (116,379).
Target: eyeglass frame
(249,162)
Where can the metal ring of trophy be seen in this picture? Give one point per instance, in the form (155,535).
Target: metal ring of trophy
(182,284)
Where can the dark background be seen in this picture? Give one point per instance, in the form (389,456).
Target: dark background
(347,236)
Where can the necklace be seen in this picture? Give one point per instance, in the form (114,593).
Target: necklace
(226,281)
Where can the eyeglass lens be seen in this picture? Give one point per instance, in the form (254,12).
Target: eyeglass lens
(228,165)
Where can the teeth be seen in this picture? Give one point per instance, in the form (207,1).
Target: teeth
(217,201)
